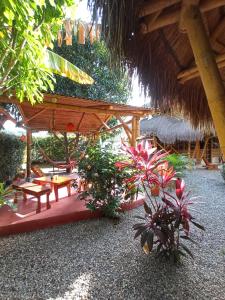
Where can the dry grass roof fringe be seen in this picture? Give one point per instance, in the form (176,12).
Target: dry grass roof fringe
(157,57)
(171,129)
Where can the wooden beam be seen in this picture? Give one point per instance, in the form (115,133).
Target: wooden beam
(35,115)
(28,165)
(81,119)
(59,106)
(126,129)
(193,72)
(115,127)
(101,121)
(219,29)
(155,6)
(208,70)
(174,17)
(124,124)
(150,20)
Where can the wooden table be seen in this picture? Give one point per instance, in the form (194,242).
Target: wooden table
(35,190)
(56,183)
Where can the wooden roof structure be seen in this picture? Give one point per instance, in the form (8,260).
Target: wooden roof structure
(87,116)
(177,48)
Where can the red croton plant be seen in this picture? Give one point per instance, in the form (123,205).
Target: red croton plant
(167,217)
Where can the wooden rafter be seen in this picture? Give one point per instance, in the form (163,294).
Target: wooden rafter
(81,119)
(101,121)
(116,127)
(59,106)
(193,72)
(155,6)
(35,115)
(126,128)
(174,17)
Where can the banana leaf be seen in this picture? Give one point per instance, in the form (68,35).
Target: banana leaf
(59,65)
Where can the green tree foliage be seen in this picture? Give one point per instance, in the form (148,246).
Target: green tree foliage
(110,84)
(26,28)
(11,155)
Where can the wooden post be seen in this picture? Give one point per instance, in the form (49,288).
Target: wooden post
(29,141)
(208,70)
(134,132)
(189,149)
(198,152)
(138,131)
(205,146)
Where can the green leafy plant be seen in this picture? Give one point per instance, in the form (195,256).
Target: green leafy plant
(178,162)
(167,217)
(5,194)
(27,30)
(11,155)
(105,183)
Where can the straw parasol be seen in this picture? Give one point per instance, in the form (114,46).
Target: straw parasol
(170,129)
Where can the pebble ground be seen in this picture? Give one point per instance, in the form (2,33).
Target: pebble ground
(99,259)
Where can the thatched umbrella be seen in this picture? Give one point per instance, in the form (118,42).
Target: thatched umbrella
(170,129)
(178,50)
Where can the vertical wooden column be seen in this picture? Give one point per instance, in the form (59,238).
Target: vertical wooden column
(134,132)
(189,149)
(208,70)
(29,142)
(198,152)
(138,134)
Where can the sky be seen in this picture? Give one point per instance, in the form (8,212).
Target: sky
(137,97)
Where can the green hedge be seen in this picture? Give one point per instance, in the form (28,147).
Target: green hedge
(51,146)
(11,155)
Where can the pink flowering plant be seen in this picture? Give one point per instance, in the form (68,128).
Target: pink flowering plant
(166,223)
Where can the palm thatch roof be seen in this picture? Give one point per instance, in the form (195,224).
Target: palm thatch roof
(170,129)
(145,36)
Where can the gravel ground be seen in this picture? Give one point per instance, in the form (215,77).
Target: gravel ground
(100,260)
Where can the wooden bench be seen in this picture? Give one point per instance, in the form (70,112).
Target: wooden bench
(35,190)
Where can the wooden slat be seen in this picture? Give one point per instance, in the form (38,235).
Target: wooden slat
(101,121)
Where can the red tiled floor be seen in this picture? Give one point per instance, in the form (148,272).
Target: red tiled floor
(66,210)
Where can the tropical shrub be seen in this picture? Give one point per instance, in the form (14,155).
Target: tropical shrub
(105,183)
(11,155)
(167,217)
(5,194)
(178,162)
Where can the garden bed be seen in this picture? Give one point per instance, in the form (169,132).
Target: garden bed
(100,260)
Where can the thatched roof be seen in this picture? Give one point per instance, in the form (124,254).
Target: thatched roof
(145,35)
(170,129)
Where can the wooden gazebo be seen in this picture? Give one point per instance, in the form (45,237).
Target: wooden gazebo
(88,117)
(177,48)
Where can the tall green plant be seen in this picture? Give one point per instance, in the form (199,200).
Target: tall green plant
(27,28)
(178,162)
(105,182)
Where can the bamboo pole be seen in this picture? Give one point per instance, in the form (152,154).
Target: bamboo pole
(208,69)
(134,132)
(189,149)
(205,147)
(28,166)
